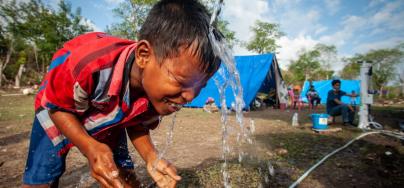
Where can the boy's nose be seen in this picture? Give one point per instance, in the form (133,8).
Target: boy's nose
(188,94)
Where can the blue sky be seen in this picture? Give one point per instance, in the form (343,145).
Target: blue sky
(353,26)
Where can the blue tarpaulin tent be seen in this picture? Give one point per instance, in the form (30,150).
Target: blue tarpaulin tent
(323,86)
(258,73)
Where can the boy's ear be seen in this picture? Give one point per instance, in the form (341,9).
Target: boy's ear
(143,53)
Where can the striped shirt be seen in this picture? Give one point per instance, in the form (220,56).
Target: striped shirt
(89,77)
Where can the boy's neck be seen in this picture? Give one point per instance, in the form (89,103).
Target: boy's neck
(135,82)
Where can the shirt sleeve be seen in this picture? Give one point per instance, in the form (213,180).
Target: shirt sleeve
(343,93)
(330,96)
(64,91)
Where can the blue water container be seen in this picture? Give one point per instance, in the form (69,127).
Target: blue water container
(319,121)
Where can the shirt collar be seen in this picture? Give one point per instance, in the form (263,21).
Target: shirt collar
(118,75)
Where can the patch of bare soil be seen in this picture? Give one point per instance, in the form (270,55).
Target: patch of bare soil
(375,161)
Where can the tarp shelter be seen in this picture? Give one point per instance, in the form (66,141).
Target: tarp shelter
(324,86)
(258,73)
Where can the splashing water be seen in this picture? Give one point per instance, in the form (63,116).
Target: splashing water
(169,139)
(85,181)
(216,12)
(229,76)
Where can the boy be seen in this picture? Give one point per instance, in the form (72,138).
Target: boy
(100,87)
(313,97)
(336,107)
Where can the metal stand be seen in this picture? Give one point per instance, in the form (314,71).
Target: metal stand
(366,98)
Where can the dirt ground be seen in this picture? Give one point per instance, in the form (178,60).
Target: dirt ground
(375,161)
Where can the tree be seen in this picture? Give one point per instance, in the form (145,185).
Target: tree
(222,25)
(351,69)
(287,76)
(306,66)
(400,77)
(134,17)
(328,56)
(383,65)
(21,66)
(384,61)
(11,36)
(265,36)
(31,26)
(400,68)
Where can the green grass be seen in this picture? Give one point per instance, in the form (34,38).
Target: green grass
(15,108)
(387,108)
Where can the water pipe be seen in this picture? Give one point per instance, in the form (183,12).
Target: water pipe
(385,132)
(366,97)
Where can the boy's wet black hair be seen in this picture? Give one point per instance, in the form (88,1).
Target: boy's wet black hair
(335,82)
(175,24)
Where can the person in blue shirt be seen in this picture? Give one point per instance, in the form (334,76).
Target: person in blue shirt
(336,107)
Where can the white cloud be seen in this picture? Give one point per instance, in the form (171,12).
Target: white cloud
(386,43)
(296,22)
(333,6)
(320,30)
(374,3)
(350,25)
(90,24)
(291,47)
(242,15)
(113,2)
(306,25)
(389,17)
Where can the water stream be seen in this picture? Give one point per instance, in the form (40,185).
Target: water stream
(229,76)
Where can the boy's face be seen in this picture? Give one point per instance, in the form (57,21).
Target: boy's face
(172,83)
(336,86)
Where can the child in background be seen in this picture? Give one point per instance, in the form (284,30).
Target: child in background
(100,88)
(353,99)
(313,96)
(210,106)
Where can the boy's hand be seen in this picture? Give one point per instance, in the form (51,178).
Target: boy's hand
(103,167)
(163,173)
(351,108)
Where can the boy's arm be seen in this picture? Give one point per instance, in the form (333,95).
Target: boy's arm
(351,95)
(98,154)
(340,102)
(162,172)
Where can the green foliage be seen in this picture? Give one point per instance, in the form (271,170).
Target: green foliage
(265,36)
(221,24)
(391,95)
(351,70)
(31,26)
(328,55)
(12,69)
(383,61)
(306,66)
(133,14)
(228,34)
(287,76)
(313,64)
(133,18)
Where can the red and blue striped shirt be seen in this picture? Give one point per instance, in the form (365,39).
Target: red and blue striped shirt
(89,77)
